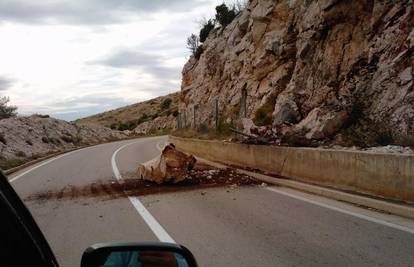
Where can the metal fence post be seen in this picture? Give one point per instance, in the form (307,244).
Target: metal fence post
(194,116)
(177,121)
(243,100)
(185,118)
(216,114)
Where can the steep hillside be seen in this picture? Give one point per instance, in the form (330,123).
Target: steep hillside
(325,71)
(25,138)
(154,113)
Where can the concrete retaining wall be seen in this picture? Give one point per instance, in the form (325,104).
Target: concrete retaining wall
(384,175)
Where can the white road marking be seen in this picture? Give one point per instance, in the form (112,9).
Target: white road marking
(42,164)
(159,147)
(361,216)
(152,223)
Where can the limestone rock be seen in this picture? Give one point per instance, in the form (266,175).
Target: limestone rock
(313,57)
(321,123)
(171,166)
(248,126)
(33,136)
(286,110)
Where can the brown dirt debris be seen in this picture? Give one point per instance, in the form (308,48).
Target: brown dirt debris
(202,176)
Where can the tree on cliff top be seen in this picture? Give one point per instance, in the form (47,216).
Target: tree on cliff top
(207,27)
(192,43)
(6,111)
(224,15)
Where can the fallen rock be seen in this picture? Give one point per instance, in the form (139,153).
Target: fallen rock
(248,126)
(171,166)
(321,123)
(285,110)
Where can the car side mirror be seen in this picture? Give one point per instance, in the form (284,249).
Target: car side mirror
(137,255)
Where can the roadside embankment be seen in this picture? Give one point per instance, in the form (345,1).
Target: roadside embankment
(28,138)
(382,175)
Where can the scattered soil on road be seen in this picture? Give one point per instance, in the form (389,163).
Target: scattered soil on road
(202,176)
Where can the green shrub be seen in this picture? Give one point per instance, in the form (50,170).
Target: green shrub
(8,164)
(20,154)
(6,111)
(55,141)
(166,103)
(114,126)
(43,116)
(224,15)
(122,126)
(3,138)
(263,115)
(224,127)
(203,128)
(198,52)
(207,27)
(67,138)
(144,117)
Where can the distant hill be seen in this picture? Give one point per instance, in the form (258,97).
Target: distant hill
(25,138)
(129,117)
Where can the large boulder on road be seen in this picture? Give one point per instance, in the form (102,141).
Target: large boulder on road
(171,166)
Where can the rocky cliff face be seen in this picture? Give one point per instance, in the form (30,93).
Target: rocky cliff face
(23,138)
(318,71)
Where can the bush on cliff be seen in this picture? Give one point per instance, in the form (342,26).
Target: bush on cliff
(207,27)
(166,103)
(224,15)
(6,111)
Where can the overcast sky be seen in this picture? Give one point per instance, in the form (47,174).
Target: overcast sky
(73,58)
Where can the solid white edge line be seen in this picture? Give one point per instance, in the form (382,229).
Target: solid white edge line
(361,216)
(42,164)
(152,223)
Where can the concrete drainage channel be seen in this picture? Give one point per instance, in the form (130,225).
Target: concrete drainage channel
(309,176)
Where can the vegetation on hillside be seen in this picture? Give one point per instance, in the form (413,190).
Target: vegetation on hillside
(223,17)
(206,28)
(6,111)
(129,117)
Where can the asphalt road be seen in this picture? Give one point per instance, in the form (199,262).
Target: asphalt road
(245,226)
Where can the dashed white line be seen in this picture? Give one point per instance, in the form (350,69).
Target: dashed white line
(40,165)
(152,223)
(361,216)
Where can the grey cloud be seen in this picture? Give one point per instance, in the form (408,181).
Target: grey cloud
(79,107)
(5,83)
(91,99)
(151,64)
(93,12)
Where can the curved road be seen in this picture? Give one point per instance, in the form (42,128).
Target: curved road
(247,226)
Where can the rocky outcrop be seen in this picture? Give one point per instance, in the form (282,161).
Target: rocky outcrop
(29,137)
(159,123)
(331,71)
